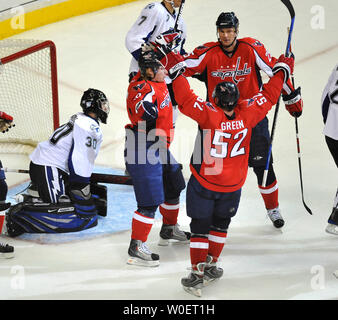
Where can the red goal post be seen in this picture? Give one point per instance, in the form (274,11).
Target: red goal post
(28,92)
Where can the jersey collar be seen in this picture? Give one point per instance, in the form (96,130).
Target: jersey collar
(232,52)
(174,13)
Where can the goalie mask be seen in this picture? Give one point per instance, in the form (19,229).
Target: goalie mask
(94,100)
(226,95)
(148,59)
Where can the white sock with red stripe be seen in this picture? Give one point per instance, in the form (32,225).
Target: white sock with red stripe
(169,212)
(141,226)
(216,244)
(199,245)
(270,195)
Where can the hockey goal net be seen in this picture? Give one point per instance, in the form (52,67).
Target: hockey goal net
(28,92)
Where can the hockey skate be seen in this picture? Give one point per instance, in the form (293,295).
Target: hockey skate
(6,251)
(140,255)
(172,232)
(4,206)
(332,228)
(276,217)
(193,284)
(22,197)
(211,271)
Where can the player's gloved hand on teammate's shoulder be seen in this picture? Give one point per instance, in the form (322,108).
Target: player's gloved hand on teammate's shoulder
(285,64)
(173,61)
(6,122)
(169,38)
(294,103)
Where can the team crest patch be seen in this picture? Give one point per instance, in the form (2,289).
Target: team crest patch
(139,86)
(166,102)
(210,107)
(94,127)
(250,101)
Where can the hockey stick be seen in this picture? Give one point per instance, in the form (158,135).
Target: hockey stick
(180,9)
(299,158)
(289,6)
(95,177)
(300,167)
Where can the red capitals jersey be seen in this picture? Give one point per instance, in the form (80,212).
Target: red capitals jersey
(220,158)
(243,68)
(149,102)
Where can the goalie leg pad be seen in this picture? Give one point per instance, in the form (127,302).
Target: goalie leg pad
(99,194)
(47,218)
(83,201)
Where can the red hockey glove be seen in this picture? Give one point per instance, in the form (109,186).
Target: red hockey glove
(170,38)
(5,122)
(294,103)
(5,116)
(172,61)
(284,64)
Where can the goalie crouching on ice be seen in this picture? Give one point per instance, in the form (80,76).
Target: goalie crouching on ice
(60,170)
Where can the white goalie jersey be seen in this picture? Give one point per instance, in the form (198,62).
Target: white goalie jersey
(153,20)
(73,147)
(330,105)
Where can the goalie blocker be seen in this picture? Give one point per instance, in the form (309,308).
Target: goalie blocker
(71,214)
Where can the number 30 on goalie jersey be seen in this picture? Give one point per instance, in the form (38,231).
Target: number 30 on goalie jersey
(73,148)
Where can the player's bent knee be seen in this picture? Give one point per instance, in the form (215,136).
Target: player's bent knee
(259,171)
(200,226)
(173,182)
(220,224)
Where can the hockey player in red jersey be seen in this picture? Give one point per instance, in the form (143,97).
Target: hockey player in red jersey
(240,61)
(6,251)
(157,177)
(219,163)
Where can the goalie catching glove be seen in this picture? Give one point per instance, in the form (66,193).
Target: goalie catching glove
(6,122)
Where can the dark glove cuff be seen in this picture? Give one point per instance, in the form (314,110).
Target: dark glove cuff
(293,97)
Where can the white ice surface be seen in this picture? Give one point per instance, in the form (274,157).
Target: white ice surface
(259,261)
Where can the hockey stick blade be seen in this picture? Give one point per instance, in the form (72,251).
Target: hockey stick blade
(300,168)
(95,177)
(289,5)
(299,154)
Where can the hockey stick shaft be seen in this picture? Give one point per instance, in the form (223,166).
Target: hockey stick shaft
(300,168)
(289,6)
(180,9)
(95,177)
(299,156)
